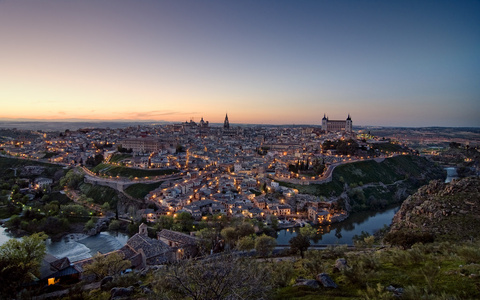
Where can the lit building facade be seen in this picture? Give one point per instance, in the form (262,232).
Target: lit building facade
(337,125)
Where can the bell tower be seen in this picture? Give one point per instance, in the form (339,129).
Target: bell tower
(324,123)
(348,125)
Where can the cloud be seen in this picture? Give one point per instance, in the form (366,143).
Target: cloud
(157,113)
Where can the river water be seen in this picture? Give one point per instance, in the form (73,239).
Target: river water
(79,246)
(342,233)
(451,174)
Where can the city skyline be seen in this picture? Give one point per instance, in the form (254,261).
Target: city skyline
(405,63)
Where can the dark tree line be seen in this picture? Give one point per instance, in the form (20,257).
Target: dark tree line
(93,161)
(343,147)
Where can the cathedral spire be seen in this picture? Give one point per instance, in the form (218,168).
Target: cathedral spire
(226,124)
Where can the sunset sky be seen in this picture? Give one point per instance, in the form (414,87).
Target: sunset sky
(393,63)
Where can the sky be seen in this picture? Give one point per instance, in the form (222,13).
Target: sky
(386,63)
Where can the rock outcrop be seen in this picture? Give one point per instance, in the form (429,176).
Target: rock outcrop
(444,211)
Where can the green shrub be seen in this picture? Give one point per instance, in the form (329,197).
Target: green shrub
(470,254)
(407,239)
(377,292)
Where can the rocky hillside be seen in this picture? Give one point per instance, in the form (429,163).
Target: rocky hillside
(439,211)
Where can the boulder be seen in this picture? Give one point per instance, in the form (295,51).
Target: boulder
(397,292)
(326,281)
(340,264)
(307,282)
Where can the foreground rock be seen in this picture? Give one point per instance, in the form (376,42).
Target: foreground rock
(326,281)
(307,282)
(322,279)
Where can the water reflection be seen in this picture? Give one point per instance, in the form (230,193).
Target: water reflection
(343,232)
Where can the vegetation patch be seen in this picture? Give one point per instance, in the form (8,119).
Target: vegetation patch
(360,173)
(140,190)
(100,194)
(106,169)
(8,164)
(119,157)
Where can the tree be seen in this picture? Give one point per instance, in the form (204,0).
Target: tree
(115,225)
(93,161)
(299,243)
(73,210)
(106,265)
(106,206)
(223,277)
(230,235)
(20,261)
(72,179)
(246,243)
(245,229)
(209,240)
(165,222)
(90,224)
(183,222)
(274,221)
(308,231)
(264,245)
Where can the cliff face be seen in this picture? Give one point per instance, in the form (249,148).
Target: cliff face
(388,182)
(443,211)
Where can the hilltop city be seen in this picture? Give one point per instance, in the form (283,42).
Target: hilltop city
(212,170)
(195,190)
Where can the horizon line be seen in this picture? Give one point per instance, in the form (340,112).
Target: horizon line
(73,120)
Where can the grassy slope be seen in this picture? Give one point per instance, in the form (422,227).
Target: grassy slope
(118,157)
(432,269)
(127,172)
(388,171)
(140,190)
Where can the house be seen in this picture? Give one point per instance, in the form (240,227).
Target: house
(151,251)
(42,183)
(147,214)
(186,245)
(283,210)
(318,216)
(54,270)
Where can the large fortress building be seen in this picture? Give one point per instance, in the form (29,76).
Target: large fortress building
(337,125)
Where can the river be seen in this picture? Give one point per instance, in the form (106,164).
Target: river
(451,174)
(79,246)
(342,233)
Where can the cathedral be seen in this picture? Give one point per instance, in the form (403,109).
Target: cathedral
(337,125)
(227,131)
